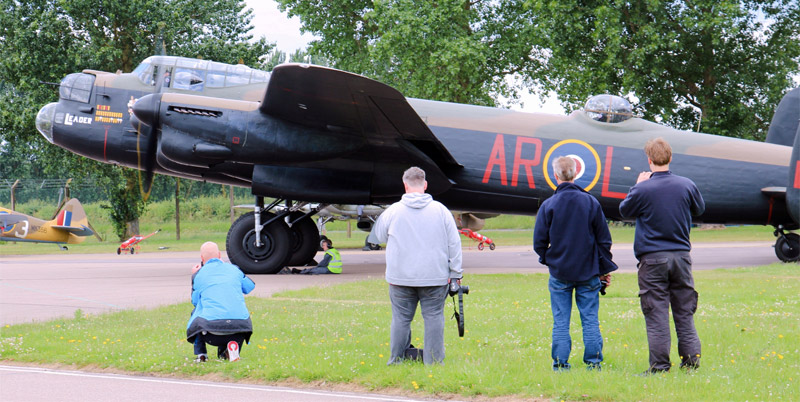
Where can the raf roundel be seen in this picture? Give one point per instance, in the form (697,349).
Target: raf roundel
(587,162)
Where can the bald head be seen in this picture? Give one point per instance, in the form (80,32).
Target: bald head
(209,250)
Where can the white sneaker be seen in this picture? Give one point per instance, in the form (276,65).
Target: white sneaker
(233,351)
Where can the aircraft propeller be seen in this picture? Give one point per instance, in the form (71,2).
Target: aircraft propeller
(146,111)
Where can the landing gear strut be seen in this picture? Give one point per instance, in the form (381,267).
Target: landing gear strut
(262,242)
(787,246)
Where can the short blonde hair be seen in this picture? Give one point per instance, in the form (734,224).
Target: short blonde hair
(564,168)
(414,177)
(658,151)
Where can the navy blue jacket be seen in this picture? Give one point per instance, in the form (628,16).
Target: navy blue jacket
(571,234)
(663,207)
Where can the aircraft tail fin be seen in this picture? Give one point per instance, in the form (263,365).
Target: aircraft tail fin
(72,218)
(793,187)
(783,128)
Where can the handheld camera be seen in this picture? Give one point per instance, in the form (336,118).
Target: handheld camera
(458,313)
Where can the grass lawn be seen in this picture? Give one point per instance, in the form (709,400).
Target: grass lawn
(748,321)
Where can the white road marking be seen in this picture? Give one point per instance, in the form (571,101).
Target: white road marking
(264,388)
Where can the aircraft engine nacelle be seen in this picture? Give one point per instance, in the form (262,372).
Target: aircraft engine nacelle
(191,128)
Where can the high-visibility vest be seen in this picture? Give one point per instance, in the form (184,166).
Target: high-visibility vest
(335,265)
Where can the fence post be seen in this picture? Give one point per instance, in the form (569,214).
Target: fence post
(13,196)
(177,208)
(232,215)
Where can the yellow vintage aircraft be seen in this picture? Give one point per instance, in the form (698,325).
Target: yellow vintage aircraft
(70,226)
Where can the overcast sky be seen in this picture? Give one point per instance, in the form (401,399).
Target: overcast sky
(278,28)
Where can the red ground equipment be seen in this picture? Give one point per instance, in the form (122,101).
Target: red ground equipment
(133,243)
(481,239)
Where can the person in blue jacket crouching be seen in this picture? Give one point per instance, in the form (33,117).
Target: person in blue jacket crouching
(220,317)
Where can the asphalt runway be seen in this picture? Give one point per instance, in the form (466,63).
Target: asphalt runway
(43,287)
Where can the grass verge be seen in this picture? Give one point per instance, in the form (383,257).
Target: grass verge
(748,321)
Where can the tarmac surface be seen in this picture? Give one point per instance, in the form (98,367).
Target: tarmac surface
(42,287)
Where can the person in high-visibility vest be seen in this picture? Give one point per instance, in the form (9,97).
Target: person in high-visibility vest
(330,264)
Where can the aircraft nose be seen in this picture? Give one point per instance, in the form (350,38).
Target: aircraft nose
(44,120)
(146,109)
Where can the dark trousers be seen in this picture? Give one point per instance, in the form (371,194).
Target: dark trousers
(220,341)
(665,280)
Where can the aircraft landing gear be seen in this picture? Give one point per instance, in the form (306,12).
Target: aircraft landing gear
(305,239)
(258,253)
(787,246)
(370,246)
(261,242)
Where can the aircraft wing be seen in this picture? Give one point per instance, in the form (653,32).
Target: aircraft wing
(77,231)
(339,101)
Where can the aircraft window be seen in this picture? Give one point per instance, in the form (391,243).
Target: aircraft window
(238,75)
(259,76)
(192,63)
(188,79)
(145,73)
(215,79)
(77,87)
(608,108)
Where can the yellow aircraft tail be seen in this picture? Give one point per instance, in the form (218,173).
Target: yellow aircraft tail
(69,226)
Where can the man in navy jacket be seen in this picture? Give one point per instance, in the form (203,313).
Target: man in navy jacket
(663,205)
(571,237)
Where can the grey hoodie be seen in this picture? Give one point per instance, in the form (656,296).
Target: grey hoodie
(423,247)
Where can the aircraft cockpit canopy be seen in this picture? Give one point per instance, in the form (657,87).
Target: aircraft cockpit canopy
(195,74)
(608,108)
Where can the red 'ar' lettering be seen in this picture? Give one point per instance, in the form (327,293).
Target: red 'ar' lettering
(498,157)
(528,163)
(797,175)
(607,177)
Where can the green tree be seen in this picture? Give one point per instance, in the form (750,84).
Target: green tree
(448,50)
(720,65)
(43,40)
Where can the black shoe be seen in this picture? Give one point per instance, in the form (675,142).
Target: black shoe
(201,358)
(652,371)
(690,367)
(295,271)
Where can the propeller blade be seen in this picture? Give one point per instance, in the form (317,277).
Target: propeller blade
(146,111)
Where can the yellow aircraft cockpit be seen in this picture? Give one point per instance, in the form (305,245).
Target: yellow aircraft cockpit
(608,108)
(189,74)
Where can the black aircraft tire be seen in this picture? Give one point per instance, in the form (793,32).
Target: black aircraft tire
(305,240)
(119,251)
(275,244)
(787,247)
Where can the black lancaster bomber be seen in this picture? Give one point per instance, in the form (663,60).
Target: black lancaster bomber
(309,135)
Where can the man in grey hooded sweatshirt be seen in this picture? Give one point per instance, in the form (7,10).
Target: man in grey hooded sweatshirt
(423,253)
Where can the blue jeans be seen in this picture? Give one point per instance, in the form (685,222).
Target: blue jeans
(404,305)
(587,298)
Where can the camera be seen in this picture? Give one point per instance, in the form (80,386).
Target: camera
(454,287)
(458,313)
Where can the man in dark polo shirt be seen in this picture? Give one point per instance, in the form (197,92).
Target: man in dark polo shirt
(663,205)
(571,237)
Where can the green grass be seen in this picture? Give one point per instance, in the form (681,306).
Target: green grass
(748,321)
(208,219)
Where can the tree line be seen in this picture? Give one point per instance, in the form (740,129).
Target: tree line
(717,66)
